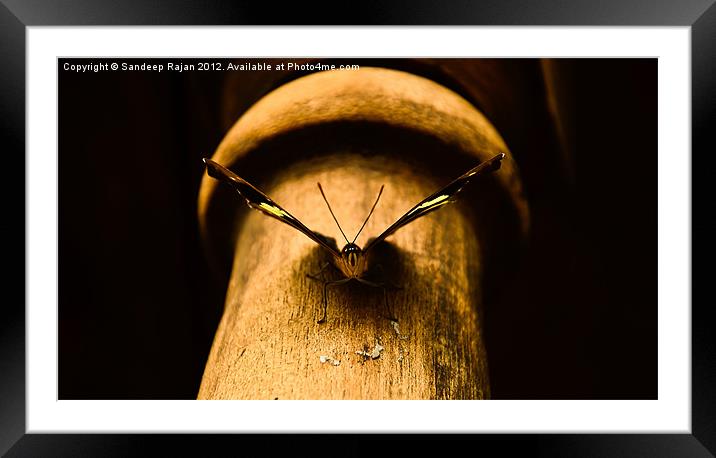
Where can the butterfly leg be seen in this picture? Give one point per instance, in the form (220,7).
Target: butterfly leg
(391,317)
(326,284)
(384,286)
(320,272)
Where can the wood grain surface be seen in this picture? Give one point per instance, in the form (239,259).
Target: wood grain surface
(269,344)
(353,132)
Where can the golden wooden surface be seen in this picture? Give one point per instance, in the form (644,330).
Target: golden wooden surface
(353,132)
(269,345)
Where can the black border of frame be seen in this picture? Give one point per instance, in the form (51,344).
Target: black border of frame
(16,15)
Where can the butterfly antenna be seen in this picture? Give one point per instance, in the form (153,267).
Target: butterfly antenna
(371,212)
(330,210)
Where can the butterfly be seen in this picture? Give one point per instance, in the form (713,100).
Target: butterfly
(351,261)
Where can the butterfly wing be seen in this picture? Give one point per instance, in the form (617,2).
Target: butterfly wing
(438,199)
(261,202)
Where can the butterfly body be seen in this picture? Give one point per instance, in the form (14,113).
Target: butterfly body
(352,260)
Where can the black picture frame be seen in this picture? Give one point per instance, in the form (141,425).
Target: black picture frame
(16,15)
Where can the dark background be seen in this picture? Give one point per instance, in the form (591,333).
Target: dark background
(138,305)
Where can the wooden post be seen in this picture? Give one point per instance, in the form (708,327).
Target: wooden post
(269,344)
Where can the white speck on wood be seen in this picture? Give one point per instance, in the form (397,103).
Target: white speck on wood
(373,354)
(397,331)
(377,351)
(330,360)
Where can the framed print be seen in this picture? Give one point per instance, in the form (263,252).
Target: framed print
(243,229)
